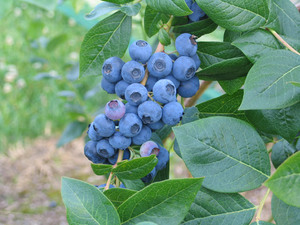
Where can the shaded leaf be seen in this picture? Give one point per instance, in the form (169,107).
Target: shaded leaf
(164,37)
(131,9)
(118,195)
(133,184)
(232,86)
(71,132)
(101,169)
(152,21)
(102,9)
(281,151)
(173,7)
(56,41)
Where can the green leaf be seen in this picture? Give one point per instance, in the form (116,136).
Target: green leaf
(281,151)
(71,132)
(232,86)
(85,204)
(190,115)
(119,1)
(133,184)
(101,169)
(6,6)
(173,7)
(256,43)
(45,4)
(228,152)
(118,195)
(284,214)
(225,105)
(230,36)
(287,19)
(152,19)
(136,168)
(131,9)
(110,37)
(198,28)
(56,41)
(146,223)
(261,223)
(285,182)
(237,15)
(266,85)
(165,202)
(164,37)
(212,207)
(297,84)
(284,122)
(102,9)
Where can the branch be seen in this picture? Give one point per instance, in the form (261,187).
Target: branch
(192,101)
(261,205)
(120,157)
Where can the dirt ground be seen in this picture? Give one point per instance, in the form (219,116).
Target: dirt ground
(30,179)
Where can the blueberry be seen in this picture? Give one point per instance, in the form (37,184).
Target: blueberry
(173,56)
(130,125)
(120,88)
(111,69)
(126,154)
(90,151)
(172,113)
(113,160)
(189,88)
(163,158)
(150,83)
(143,136)
(184,68)
(104,126)
(105,149)
(149,177)
(103,186)
(131,108)
(160,65)
(197,60)
(122,186)
(149,148)
(107,86)
(189,3)
(173,79)
(115,109)
(140,51)
(156,126)
(186,44)
(119,141)
(149,112)
(93,135)
(133,72)
(136,93)
(164,91)
(197,14)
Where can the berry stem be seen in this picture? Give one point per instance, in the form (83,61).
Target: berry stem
(261,205)
(120,157)
(283,41)
(192,101)
(108,181)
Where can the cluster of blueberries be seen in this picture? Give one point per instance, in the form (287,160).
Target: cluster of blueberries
(198,13)
(148,107)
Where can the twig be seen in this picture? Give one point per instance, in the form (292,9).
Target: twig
(120,158)
(283,41)
(192,101)
(261,205)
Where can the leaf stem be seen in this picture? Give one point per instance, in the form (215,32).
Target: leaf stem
(283,41)
(108,181)
(261,205)
(192,101)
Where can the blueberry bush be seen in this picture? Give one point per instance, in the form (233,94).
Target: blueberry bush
(227,143)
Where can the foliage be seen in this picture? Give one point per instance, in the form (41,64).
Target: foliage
(223,142)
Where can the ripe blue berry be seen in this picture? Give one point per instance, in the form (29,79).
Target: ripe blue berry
(149,112)
(172,113)
(163,158)
(133,72)
(104,126)
(104,149)
(150,83)
(197,61)
(131,108)
(160,65)
(122,186)
(140,51)
(186,44)
(164,91)
(156,126)
(189,88)
(115,109)
(90,151)
(120,88)
(197,14)
(136,93)
(130,125)
(173,79)
(184,68)
(119,141)
(93,135)
(189,3)
(173,56)
(107,86)
(111,69)
(149,177)
(143,136)
(149,148)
